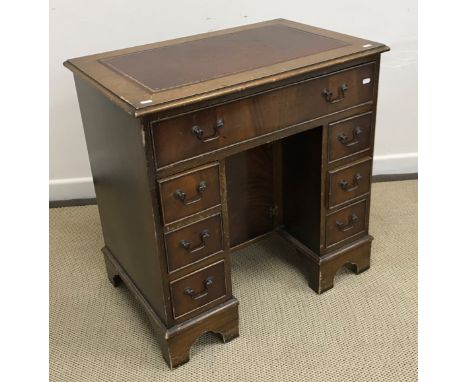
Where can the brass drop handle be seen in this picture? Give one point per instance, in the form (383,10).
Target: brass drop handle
(328,95)
(185,244)
(347,187)
(344,139)
(182,196)
(343,227)
(199,133)
(196,296)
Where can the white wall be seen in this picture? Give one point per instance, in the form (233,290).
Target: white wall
(83,27)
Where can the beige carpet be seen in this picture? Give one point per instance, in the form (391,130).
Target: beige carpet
(364,329)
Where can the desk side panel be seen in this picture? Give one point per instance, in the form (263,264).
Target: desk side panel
(116,147)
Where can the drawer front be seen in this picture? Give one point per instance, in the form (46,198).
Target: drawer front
(194,242)
(349,137)
(348,183)
(210,129)
(198,289)
(346,223)
(189,193)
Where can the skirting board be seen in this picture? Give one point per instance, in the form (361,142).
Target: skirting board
(74,189)
(71,188)
(406,163)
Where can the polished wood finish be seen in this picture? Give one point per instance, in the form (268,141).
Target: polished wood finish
(348,222)
(251,204)
(349,182)
(139,100)
(321,270)
(197,290)
(303,187)
(349,137)
(356,257)
(194,242)
(176,341)
(189,193)
(121,181)
(260,115)
(203,145)
(222,320)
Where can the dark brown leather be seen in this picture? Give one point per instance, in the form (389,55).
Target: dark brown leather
(218,56)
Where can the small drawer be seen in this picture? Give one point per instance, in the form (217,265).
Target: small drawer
(194,242)
(204,131)
(189,193)
(349,137)
(198,289)
(348,183)
(346,223)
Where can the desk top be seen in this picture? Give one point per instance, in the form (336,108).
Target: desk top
(179,72)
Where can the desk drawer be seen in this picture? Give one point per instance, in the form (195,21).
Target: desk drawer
(346,223)
(349,137)
(206,130)
(186,194)
(348,183)
(193,242)
(198,289)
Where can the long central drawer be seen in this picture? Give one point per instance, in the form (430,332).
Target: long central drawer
(206,130)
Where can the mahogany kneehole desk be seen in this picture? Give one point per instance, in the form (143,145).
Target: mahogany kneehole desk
(202,145)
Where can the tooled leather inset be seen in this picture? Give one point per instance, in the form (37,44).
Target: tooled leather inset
(218,56)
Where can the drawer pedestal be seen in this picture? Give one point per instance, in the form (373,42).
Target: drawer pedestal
(176,341)
(355,256)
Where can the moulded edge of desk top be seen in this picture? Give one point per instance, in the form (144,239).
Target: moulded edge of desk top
(127,94)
